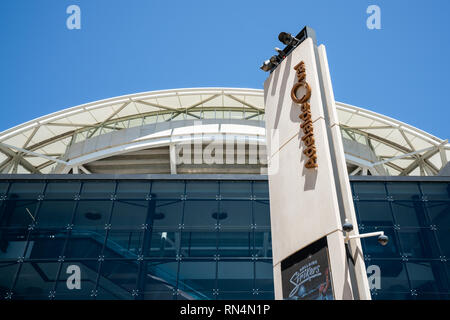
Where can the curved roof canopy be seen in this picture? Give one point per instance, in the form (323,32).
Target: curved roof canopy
(42,145)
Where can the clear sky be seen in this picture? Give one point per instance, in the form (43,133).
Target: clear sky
(129,46)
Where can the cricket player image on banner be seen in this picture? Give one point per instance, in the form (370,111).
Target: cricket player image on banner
(306,274)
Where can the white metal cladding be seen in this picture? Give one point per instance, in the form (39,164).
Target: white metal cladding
(39,145)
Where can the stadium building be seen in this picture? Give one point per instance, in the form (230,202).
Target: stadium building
(125,198)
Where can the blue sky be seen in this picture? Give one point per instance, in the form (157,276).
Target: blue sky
(128,46)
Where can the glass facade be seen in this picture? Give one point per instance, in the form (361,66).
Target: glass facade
(416,217)
(129,239)
(198,239)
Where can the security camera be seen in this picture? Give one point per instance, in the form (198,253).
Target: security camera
(275,60)
(383,240)
(347,226)
(267,66)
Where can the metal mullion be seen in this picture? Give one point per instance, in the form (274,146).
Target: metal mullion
(35,217)
(435,236)
(69,232)
(178,255)
(216,258)
(19,265)
(146,242)
(3,204)
(357,213)
(398,238)
(30,230)
(6,195)
(8,188)
(253,250)
(100,264)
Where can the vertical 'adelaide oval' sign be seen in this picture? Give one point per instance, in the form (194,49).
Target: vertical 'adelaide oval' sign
(305,116)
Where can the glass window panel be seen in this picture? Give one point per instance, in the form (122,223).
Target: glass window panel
(198,244)
(85,244)
(374,213)
(12,243)
(261,212)
(261,190)
(393,275)
(236,189)
(383,295)
(235,244)
(124,244)
(236,295)
(433,296)
(87,271)
(167,215)
(439,213)
(373,249)
(428,276)
(200,215)
(132,190)
(235,275)
(447,265)
(196,295)
(18,213)
(55,214)
(409,214)
(202,189)
(197,276)
(7,273)
(444,240)
(62,189)
(119,277)
(167,189)
(160,278)
(3,187)
(36,280)
(404,190)
(26,190)
(129,215)
(418,243)
(235,215)
(370,190)
(97,190)
(265,295)
(158,295)
(263,243)
(109,294)
(264,275)
(46,244)
(163,244)
(92,215)
(436,190)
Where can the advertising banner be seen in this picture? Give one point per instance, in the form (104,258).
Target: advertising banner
(306,274)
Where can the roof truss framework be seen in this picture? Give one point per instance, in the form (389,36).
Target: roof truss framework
(15,158)
(402,149)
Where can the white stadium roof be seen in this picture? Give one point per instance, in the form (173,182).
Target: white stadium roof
(58,143)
